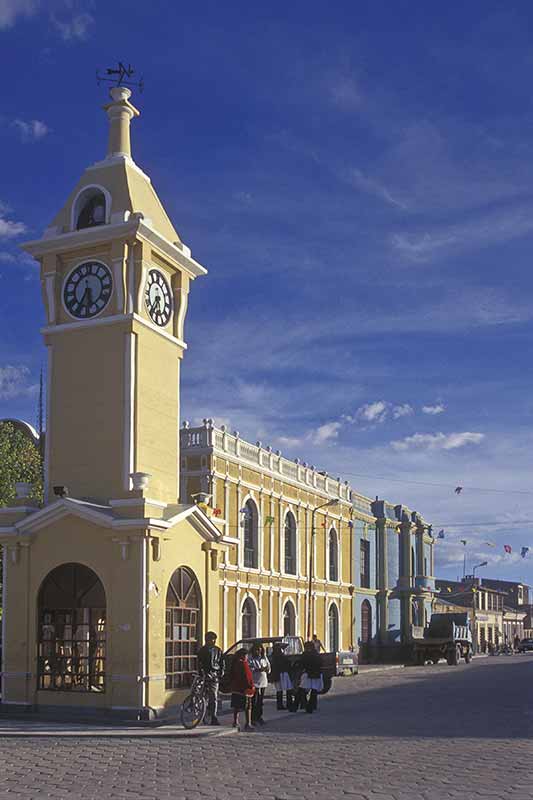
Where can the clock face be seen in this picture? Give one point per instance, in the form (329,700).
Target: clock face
(157,297)
(87,289)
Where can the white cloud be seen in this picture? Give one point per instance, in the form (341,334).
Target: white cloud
(487,229)
(10,10)
(439,408)
(404,410)
(373,412)
(8,228)
(326,432)
(372,186)
(31,131)
(438,441)
(14,382)
(73,28)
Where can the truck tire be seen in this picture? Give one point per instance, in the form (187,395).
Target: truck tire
(452,658)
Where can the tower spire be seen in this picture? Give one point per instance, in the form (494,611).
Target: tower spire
(120,113)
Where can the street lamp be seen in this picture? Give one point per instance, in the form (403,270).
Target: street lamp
(483,564)
(332,502)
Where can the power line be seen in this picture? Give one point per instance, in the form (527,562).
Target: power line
(437,485)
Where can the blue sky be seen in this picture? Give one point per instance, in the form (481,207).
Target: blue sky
(358,179)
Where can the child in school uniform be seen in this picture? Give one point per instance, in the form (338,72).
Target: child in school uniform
(281,677)
(241,684)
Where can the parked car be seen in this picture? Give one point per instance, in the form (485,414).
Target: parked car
(525,646)
(294,648)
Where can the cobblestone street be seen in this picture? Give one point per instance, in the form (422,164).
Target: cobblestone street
(421,733)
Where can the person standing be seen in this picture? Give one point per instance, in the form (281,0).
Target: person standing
(241,686)
(211,666)
(281,676)
(260,666)
(317,644)
(311,682)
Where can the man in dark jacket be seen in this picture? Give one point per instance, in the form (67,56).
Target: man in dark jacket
(211,666)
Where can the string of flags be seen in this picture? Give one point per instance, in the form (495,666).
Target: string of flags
(269,520)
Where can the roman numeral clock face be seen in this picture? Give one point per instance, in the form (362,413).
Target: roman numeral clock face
(157,298)
(87,289)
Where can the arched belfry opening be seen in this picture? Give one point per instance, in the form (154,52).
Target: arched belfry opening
(90,208)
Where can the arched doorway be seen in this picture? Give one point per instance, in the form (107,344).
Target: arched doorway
(289,619)
(249,619)
(183,628)
(366,622)
(333,628)
(72,630)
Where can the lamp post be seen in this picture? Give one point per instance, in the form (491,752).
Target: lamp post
(332,502)
(474,601)
(483,564)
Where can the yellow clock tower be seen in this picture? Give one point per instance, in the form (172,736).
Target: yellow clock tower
(109,586)
(115,279)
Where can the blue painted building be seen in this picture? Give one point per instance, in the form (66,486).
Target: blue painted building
(394,590)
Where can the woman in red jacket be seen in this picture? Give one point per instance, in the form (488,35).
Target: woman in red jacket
(242,689)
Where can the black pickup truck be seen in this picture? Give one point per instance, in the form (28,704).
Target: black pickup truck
(294,648)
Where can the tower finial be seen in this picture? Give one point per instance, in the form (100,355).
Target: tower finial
(120,113)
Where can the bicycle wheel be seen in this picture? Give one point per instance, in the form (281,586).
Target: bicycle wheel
(193,711)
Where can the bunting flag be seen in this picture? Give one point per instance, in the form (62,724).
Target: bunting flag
(458,489)
(217,512)
(440,534)
(508,548)
(269,520)
(524,551)
(463,542)
(323,524)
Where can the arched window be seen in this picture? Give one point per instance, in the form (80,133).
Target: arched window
(90,209)
(333,628)
(251,535)
(289,619)
(290,544)
(333,556)
(249,619)
(366,622)
(72,630)
(183,628)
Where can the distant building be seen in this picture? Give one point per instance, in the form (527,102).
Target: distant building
(485,604)
(517,595)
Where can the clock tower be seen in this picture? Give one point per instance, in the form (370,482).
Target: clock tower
(115,277)
(109,586)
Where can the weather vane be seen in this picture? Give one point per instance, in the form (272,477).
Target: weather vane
(120,77)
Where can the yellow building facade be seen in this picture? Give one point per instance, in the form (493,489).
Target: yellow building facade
(268,507)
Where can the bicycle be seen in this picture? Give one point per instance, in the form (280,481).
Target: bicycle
(194,706)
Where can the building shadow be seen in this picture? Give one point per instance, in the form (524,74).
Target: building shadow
(492,701)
